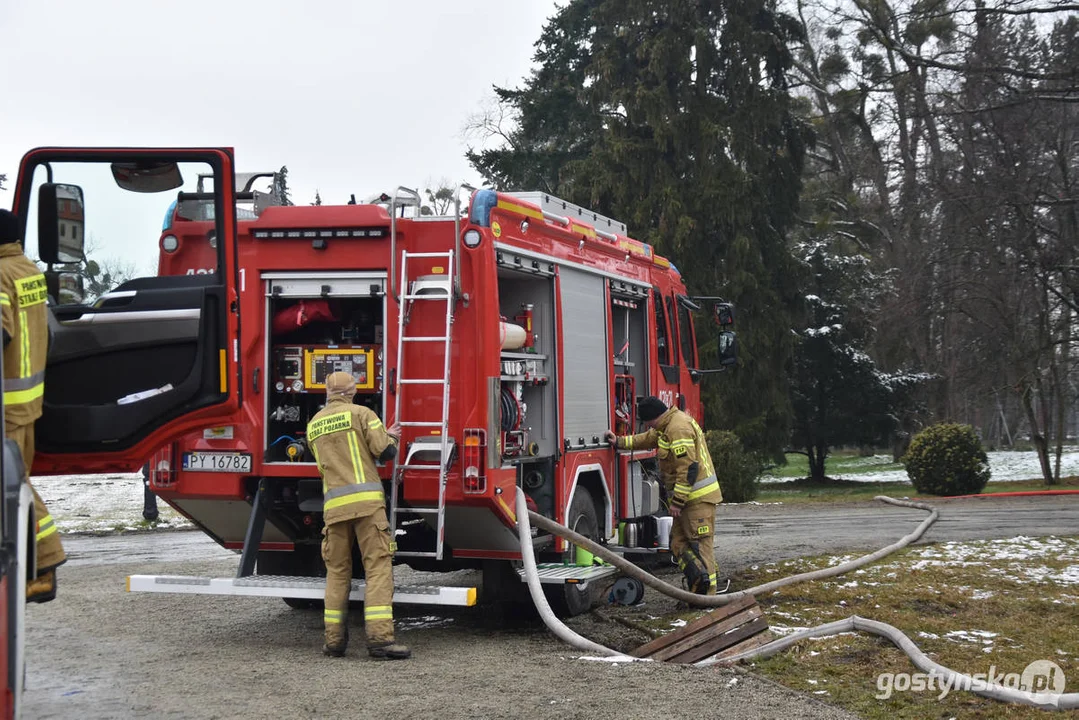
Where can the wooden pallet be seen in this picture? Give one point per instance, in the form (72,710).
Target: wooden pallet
(723,632)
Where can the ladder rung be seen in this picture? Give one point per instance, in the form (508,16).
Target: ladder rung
(419,467)
(419,423)
(427,254)
(422,381)
(415,511)
(426,296)
(425,338)
(411,553)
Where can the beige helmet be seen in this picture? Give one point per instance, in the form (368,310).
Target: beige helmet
(341,384)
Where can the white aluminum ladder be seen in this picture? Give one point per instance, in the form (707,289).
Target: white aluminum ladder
(428,288)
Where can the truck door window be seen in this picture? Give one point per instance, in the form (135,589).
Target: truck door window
(663,355)
(666,340)
(122,230)
(689,346)
(674,330)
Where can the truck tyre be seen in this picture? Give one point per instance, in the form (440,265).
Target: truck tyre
(575,598)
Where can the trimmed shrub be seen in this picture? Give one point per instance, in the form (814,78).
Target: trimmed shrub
(947,459)
(738,471)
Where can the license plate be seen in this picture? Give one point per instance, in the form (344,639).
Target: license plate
(217,462)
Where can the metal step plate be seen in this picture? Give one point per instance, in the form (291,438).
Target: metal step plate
(558,574)
(294,587)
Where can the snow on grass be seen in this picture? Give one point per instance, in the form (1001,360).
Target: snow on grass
(1004,466)
(1020,553)
(101,503)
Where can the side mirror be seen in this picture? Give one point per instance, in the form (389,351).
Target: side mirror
(724,314)
(65,288)
(61,223)
(728,348)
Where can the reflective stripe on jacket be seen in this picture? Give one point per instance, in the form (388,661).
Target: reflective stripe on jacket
(345,440)
(684,463)
(26,327)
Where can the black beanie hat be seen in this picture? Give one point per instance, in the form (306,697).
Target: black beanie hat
(650,408)
(9,227)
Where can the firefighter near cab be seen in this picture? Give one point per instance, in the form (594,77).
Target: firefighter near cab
(691,486)
(23,299)
(345,439)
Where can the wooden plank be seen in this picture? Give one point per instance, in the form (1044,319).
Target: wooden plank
(700,623)
(711,647)
(712,631)
(752,643)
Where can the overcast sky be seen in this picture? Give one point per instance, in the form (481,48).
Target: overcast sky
(353,96)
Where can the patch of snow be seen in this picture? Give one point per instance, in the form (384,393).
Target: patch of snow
(101,503)
(678,623)
(612,659)
(976,637)
(928,635)
(1004,465)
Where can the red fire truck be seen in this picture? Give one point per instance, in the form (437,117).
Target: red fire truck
(505,339)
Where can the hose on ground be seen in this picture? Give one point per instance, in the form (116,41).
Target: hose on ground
(854,623)
(524,530)
(948,678)
(678,593)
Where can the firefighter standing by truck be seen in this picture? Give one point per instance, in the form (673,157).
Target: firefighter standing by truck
(23,298)
(345,440)
(690,480)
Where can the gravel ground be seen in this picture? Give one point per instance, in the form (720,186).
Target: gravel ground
(98,652)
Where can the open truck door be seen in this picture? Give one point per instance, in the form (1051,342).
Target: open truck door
(134,359)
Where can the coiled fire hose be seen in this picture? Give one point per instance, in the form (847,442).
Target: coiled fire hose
(526,517)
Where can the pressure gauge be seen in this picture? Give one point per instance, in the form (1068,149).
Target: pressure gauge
(280,386)
(297,385)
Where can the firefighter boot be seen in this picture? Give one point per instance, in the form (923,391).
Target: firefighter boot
(694,569)
(389,651)
(336,646)
(42,589)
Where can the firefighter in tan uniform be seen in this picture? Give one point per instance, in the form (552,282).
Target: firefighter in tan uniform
(26,342)
(691,483)
(345,440)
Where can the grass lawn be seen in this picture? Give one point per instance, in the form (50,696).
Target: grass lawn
(974,607)
(969,606)
(797,488)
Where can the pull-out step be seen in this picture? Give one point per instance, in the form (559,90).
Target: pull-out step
(559,574)
(294,587)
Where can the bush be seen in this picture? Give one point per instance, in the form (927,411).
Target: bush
(947,459)
(738,471)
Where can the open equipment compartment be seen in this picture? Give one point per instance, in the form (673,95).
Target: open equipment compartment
(317,324)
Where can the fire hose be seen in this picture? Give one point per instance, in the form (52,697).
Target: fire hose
(526,517)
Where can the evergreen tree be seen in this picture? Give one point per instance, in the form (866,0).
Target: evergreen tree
(281,185)
(839,395)
(675,117)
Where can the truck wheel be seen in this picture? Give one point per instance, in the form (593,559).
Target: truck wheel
(575,598)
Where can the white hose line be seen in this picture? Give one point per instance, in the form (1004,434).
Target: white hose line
(947,678)
(958,681)
(720,600)
(524,530)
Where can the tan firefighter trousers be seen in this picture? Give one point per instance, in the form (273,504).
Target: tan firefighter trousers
(696,524)
(372,533)
(50,552)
